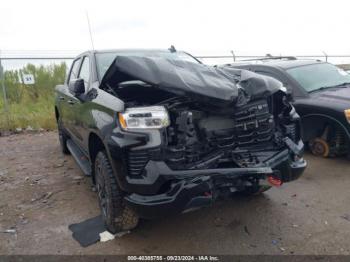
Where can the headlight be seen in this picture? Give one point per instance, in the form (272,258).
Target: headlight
(347,114)
(152,117)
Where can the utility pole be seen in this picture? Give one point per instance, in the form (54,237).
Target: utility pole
(233,56)
(2,78)
(326,56)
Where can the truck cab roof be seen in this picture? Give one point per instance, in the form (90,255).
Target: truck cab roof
(279,63)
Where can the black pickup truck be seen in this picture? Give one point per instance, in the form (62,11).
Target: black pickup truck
(160,133)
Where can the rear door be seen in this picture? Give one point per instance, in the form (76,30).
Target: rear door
(70,100)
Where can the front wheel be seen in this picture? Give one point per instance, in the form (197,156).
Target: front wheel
(116,215)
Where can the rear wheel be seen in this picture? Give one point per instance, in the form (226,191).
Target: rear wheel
(116,215)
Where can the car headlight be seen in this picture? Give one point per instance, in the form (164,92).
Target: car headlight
(347,114)
(152,117)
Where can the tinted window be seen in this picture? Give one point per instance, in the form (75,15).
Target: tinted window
(316,76)
(75,69)
(85,70)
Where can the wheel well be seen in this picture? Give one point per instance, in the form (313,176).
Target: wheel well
(95,146)
(314,126)
(57,114)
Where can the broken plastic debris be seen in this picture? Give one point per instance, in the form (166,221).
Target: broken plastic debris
(106,236)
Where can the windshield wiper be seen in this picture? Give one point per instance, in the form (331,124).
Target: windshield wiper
(342,84)
(345,84)
(320,89)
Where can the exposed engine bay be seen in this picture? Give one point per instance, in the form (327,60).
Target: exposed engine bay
(203,137)
(210,139)
(241,125)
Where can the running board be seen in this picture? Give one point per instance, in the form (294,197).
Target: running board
(81,159)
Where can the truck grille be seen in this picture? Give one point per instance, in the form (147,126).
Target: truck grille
(253,124)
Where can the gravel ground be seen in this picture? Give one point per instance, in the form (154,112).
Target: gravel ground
(42,192)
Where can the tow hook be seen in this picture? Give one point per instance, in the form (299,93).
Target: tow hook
(274,181)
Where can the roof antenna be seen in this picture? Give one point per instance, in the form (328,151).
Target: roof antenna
(172,49)
(88,21)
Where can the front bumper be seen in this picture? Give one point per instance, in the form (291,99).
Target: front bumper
(197,188)
(161,191)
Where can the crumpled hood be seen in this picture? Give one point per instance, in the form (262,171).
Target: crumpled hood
(202,82)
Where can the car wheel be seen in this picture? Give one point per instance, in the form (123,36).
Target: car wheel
(254,190)
(116,215)
(63,139)
(319,147)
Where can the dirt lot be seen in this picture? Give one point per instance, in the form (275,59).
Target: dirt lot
(42,192)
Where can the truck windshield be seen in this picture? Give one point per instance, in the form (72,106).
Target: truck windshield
(104,60)
(319,76)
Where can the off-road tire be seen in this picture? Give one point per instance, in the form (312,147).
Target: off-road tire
(62,138)
(254,190)
(116,215)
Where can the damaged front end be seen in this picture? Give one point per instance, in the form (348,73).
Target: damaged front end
(192,133)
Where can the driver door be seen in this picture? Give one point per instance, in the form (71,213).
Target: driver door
(81,110)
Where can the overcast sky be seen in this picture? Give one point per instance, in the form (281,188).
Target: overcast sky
(257,27)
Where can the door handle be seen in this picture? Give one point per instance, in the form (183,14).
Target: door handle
(61,98)
(71,102)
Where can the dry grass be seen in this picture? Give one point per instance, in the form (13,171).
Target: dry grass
(39,114)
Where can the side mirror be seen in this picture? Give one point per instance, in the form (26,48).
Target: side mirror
(77,87)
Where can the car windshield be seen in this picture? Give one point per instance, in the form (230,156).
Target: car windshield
(319,76)
(104,60)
